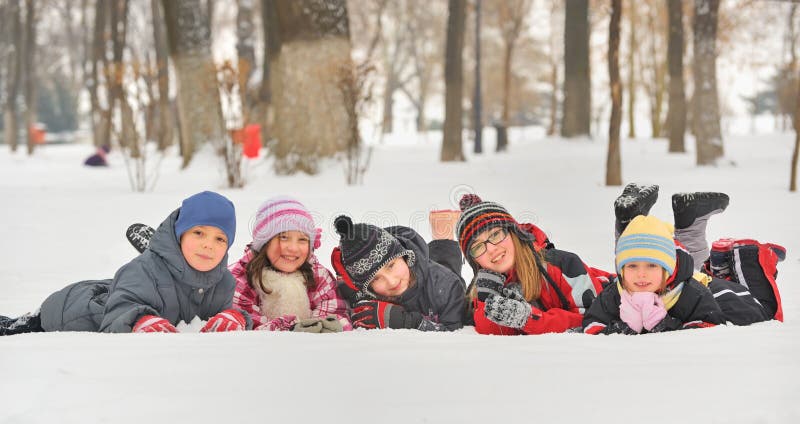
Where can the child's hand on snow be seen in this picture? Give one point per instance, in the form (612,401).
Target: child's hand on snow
(227,320)
(281,323)
(153,324)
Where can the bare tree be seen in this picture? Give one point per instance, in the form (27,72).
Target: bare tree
(555,57)
(653,66)
(246,53)
(13,74)
(166,119)
(613,160)
(477,103)
(511,18)
(633,48)
(677,98)
(576,118)
(706,103)
(395,56)
(101,117)
(189,40)
(306,76)
(29,66)
(452,149)
(425,44)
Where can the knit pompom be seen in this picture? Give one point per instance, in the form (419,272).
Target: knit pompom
(468,200)
(343,224)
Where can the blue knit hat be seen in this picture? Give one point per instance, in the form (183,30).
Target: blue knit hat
(207,208)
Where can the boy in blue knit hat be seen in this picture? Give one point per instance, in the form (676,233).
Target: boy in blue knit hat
(182,275)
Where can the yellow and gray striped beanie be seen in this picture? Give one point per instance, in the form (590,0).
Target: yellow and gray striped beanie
(647,239)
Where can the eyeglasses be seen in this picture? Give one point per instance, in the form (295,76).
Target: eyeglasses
(495,237)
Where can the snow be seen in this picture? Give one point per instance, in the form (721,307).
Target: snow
(66,223)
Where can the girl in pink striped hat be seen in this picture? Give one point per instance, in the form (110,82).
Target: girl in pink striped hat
(279,280)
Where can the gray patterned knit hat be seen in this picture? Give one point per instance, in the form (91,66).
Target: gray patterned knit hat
(366,249)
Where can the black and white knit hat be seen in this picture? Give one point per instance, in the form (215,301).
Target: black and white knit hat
(478,216)
(365,250)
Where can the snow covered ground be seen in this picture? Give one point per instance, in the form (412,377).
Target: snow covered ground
(64,223)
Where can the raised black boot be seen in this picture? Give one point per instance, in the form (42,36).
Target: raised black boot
(635,200)
(691,212)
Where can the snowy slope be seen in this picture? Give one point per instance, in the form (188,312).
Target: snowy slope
(65,223)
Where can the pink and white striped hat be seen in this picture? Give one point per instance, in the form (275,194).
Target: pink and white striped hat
(280,214)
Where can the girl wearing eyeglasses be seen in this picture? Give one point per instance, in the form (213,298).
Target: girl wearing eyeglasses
(522,284)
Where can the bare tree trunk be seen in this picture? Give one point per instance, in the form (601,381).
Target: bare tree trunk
(387,123)
(30,71)
(166,119)
(13,76)
(477,101)
(659,68)
(551,129)
(189,40)
(502,142)
(308,72)
(677,97)
(119,26)
(613,161)
(793,178)
(706,107)
(271,45)
(101,119)
(554,59)
(632,49)
(452,149)
(245,49)
(576,119)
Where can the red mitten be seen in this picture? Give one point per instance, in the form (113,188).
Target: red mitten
(153,324)
(227,320)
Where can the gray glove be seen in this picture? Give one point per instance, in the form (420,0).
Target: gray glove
(330,324)
(308,325)
(507,312)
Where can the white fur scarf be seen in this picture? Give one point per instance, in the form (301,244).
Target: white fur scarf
(289,294)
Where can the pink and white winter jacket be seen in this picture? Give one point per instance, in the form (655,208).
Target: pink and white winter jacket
(324,299)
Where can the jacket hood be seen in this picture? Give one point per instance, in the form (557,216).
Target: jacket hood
(684,268)
(165,245)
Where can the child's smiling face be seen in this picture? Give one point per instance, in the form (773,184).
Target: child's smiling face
(641,276)
(203,247)
(288,251)
(392,279)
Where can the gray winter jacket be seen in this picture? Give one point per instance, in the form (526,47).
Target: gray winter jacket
(158,282)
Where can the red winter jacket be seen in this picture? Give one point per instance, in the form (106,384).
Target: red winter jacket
(567,291)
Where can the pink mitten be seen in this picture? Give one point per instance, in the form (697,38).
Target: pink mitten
(630,312)
(281,323)
(653,311)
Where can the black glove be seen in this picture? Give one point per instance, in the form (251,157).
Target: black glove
(669,323)
(619,327)
(488,283)
(378,314)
